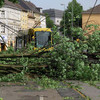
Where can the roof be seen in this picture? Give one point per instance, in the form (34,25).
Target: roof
(23,5)
(96,10)
(54,13)
(15,5)
(28,6)
(10,4)
(32,6)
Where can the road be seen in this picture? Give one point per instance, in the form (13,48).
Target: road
(31,91)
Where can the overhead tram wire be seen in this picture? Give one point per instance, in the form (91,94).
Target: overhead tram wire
(9,28)
(15,31)
(40,21)
(90,15)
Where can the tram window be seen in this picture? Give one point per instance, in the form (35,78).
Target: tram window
(42,38)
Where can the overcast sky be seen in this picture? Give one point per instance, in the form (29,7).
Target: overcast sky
(56,4)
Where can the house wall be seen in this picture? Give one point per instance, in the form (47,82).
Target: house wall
(11,18)
(31,23)
(37,19)
(31,19)
(94,19)
(43,21)
(24,20)
(56,20)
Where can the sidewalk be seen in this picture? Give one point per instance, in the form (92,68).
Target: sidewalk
(87,90)
(31,91)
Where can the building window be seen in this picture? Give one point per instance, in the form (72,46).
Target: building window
(2,28)
(2,14)
(57,20)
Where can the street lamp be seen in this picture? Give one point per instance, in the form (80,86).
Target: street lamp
(64,18)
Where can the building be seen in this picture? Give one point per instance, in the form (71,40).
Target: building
(24,18)
(42,18)
(55,15)
(34,14)
(94,17)
(10,23)
(42,21)
(15,17)
(30,15)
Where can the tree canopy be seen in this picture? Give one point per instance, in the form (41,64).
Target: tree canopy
(73,15)
(49,22)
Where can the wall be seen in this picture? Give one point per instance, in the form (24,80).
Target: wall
(37,19)
(56,20)
(94,19)
(31,20)
(43,21)
(11,18)
(24,20)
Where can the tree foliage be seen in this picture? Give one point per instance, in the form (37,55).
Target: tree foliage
(49,22)
(76,17)
(76,60)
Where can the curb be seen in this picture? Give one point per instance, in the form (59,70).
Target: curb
(78,91)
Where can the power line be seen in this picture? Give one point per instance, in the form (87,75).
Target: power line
(15,31)
(9,28)
(90,14)
(40,21)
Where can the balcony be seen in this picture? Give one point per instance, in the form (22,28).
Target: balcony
(31,15)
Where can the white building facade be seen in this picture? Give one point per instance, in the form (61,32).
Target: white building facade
(55,15)
(56,20)
(10,23)
(43,21)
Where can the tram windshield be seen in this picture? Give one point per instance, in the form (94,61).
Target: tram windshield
(42,38)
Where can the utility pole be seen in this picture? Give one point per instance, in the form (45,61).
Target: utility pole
(72,15)
(64,18)
(72,11)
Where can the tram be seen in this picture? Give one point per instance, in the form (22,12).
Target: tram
(38,37)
